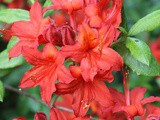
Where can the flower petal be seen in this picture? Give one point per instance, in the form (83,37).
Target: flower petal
(56,114)
(150,99)
(137,95)
(40,116)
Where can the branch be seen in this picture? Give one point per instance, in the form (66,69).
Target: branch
(8,87)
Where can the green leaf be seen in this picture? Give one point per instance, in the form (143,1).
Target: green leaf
(14,40)
(147,23)
(135,65)
(12,15)
(1,91)
(32,1)
(6,63)
(3,72)
(47,3)
(139,49)
(123,30)
(8,1)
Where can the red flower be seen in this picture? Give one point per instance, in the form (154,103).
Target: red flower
(63,35)
(56,114)
(68,5)
(48,67)
(92,51)
(153,113)
(136,102)
(84,92)
(29,31)
(105,114)
(60,18)
(98,13)
(155,48)
(19,118)
(40,116)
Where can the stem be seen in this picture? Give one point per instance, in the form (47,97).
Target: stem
(55,99)
(126,84)
(65,109)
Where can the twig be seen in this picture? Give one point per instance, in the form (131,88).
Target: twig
(55,100)
(8,87)
(65,109)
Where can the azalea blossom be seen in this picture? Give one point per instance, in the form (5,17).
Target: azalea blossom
(152,113)
(137,102)
(92,52)
(84,92)
(29,31)
(48,67)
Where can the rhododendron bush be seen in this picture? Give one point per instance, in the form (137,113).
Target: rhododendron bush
(82,57)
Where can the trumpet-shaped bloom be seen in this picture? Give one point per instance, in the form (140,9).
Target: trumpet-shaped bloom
(152,113)
(99,13)
(48,67)
(92,52)
(136,102)
(29,31)
(84,92)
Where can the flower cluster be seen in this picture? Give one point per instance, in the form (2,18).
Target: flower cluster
(81,35)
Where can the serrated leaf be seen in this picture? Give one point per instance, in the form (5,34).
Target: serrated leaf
(1,91)
(6,63)
(139,49)
(135,65)
(147,23)
(12,15)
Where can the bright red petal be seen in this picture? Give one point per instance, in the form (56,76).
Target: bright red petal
(137,95)
(56,114)
(33,56)
(17,49)
(102,94)
(40,116)
(36,12)
(88,69)
(150,99)
(20,118)
(24,29)
(82,98)
(64,75)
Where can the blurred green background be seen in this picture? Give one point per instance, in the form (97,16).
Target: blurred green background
(15,105)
